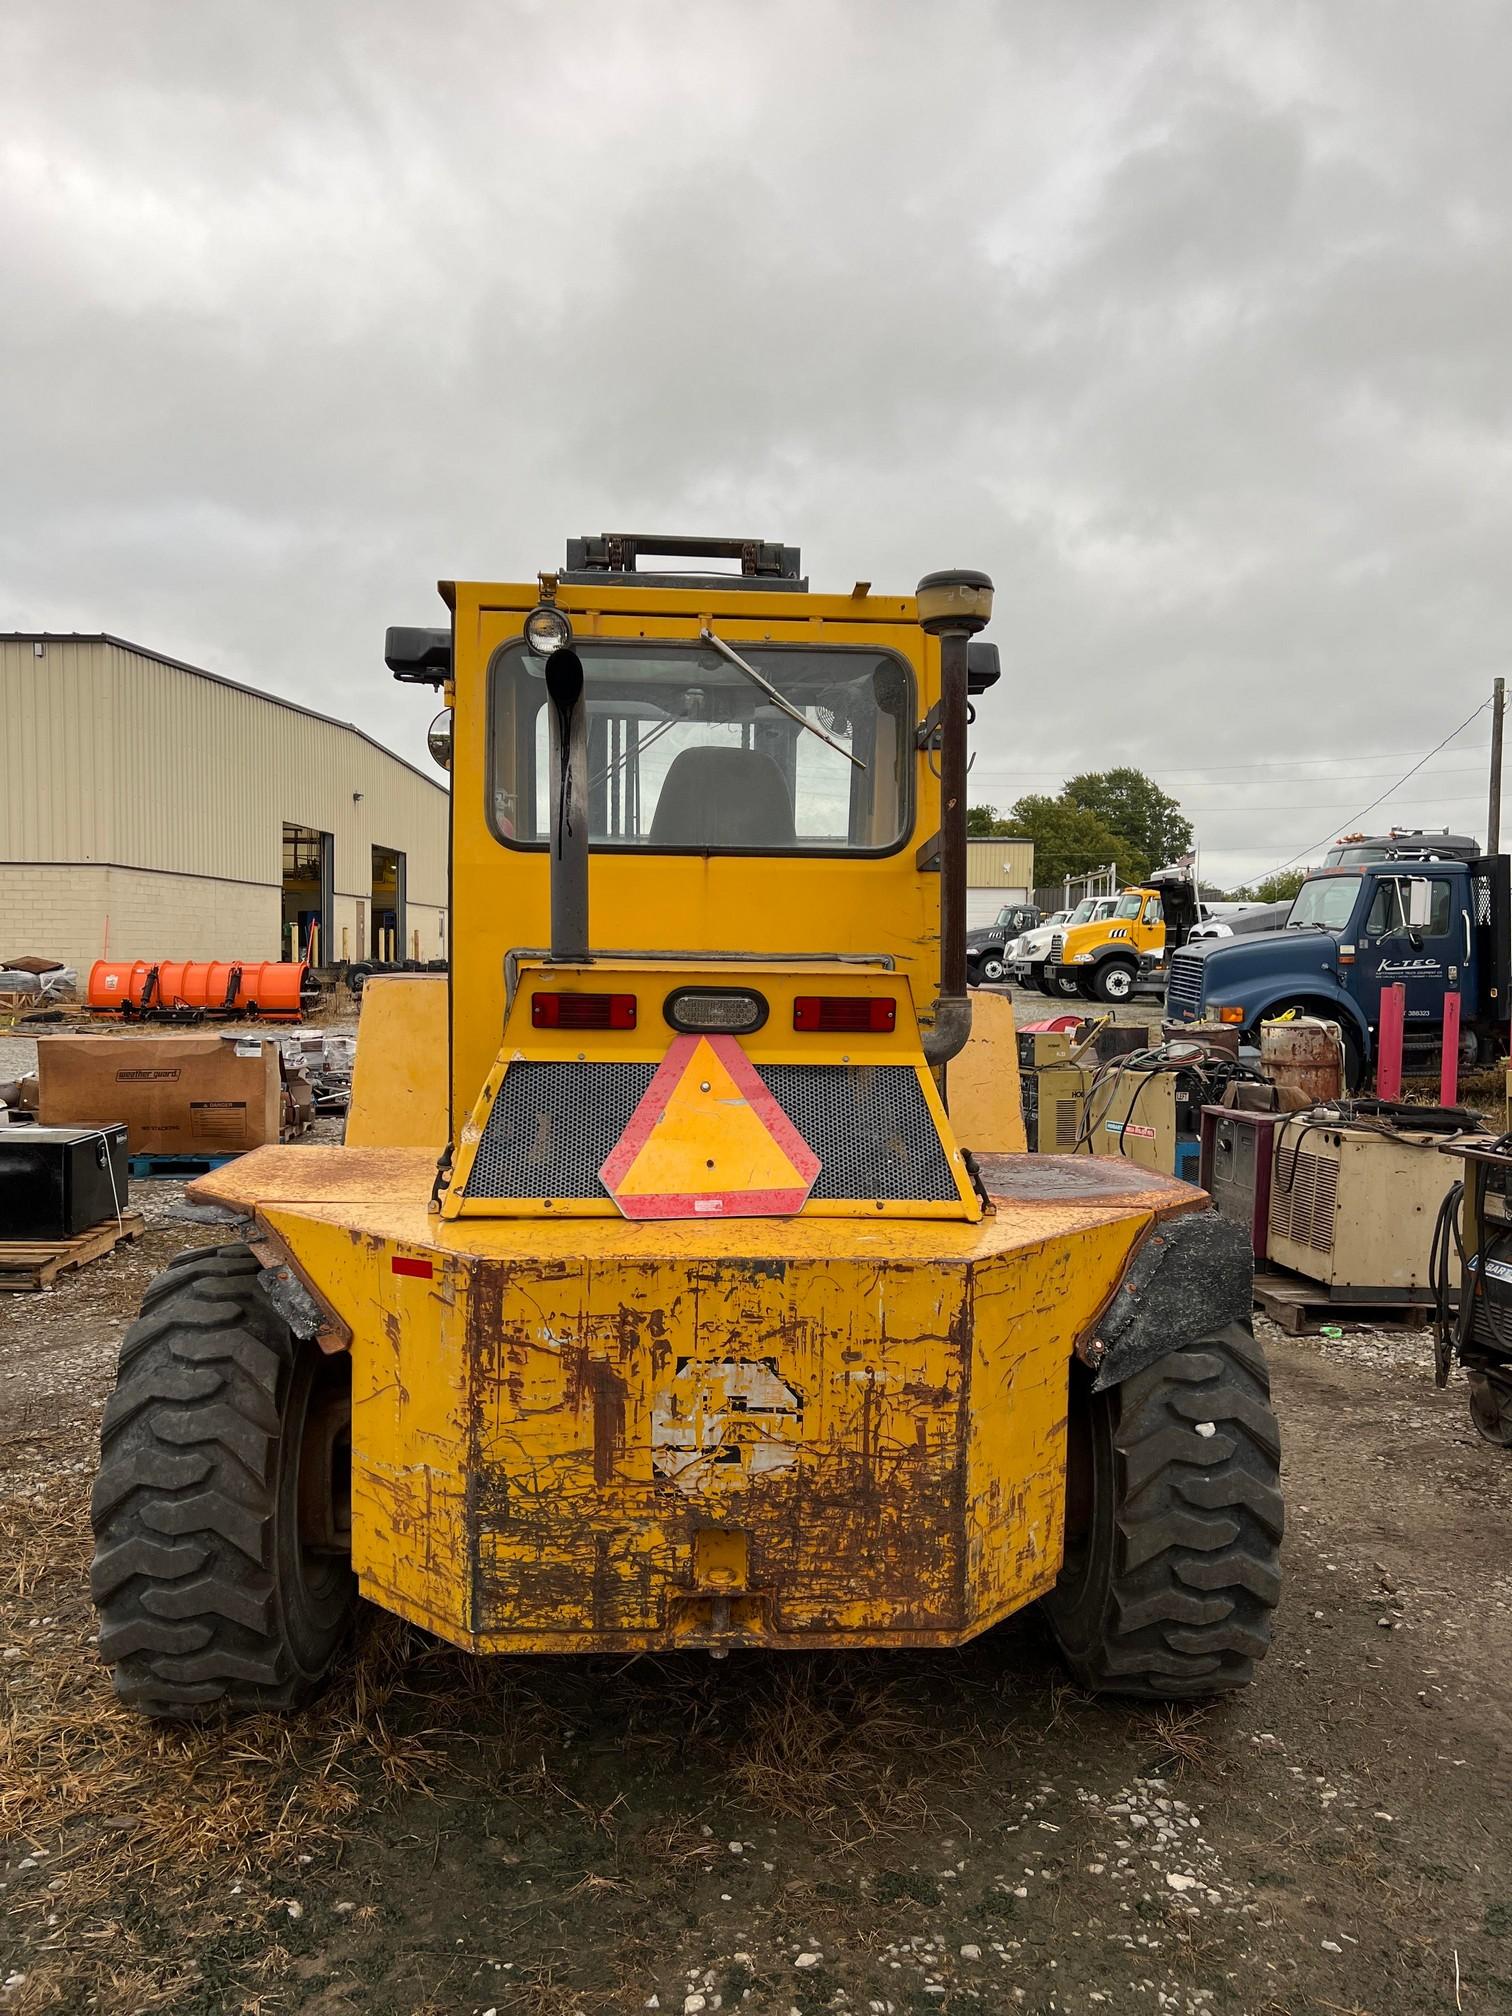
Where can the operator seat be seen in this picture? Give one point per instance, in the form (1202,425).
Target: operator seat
(723,798)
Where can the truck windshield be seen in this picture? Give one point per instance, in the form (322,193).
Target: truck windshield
(1129,906)
(685,753)
(1329,901)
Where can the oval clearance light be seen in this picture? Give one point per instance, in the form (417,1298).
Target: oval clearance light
(844,1014)
(582,1011)
(709,1010)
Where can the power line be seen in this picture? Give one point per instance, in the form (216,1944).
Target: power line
(1189,776)
(1210,812)
(1355,819)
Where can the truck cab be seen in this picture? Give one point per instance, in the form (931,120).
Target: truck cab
(1438,927)
(1103,960)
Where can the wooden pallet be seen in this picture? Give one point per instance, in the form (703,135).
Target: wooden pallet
(1303,1308)
(29,1264)
(172,1168)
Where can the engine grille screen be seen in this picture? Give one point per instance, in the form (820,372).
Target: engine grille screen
(552,1127)
(1303,1210)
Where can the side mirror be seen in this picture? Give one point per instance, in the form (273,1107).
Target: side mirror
(438,739)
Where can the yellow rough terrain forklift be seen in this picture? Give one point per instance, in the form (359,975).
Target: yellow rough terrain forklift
(676,1311)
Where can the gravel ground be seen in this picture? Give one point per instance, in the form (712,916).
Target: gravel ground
(887,1833)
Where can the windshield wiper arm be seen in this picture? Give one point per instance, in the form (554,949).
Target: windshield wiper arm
(793,713)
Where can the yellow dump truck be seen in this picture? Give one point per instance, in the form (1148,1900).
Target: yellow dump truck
(1102,959)
(656,1299)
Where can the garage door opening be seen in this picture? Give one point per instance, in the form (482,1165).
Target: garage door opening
(307,885)
(388,905)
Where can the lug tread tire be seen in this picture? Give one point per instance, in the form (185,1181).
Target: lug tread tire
(186,1506)
(1174,1594)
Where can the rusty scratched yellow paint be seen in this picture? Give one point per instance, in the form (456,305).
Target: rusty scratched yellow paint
(872,1416)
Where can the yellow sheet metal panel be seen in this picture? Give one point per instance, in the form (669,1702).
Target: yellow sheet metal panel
(868,1419)
(756,904)
(1027,1312)
(399,1076)
(982,1091)
(412,1387)
(931,1176)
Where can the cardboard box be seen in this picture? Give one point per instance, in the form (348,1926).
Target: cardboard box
(178,1095)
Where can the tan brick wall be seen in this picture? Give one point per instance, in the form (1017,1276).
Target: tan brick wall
(62,913)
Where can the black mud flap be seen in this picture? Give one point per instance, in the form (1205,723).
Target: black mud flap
(1189,1277)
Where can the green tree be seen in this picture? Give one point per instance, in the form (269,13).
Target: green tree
(1069,840)
(982,822)
(1277,888)
(1133,806)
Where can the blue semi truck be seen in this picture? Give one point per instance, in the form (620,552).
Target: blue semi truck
(1437,925)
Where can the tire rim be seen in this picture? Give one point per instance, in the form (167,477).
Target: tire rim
(313,1583)
(1118,985)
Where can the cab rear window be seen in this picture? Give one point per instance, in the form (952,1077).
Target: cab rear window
(686,754)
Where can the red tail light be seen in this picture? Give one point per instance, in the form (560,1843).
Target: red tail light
(844,1014)
(582,1011)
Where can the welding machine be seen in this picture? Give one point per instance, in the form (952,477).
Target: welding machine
(1471,1272)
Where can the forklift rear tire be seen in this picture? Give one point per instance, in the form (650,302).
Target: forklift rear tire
(222,1572)
(1173,1524)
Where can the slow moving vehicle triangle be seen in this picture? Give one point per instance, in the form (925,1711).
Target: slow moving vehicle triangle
(708,1140)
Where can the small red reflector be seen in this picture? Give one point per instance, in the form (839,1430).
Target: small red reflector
(844,1014)
(423,1270)
(582,1011)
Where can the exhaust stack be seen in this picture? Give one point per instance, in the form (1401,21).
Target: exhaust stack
(953,606)
(568,758)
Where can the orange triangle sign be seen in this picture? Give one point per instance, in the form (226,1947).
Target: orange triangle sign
(708,1140)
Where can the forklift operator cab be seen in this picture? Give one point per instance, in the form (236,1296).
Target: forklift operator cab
(688,1307)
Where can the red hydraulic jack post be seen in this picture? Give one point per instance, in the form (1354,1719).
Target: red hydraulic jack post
(1449,1057)
(1389,1042)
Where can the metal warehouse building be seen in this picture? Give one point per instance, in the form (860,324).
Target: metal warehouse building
(149,810)
(997,872)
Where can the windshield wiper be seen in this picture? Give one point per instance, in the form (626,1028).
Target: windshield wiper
(793,713)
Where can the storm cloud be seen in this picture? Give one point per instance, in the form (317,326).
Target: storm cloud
(1190,322)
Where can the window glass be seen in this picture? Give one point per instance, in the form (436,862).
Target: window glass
(1128,906)
(1152,912)
(1409,903)
(1329,901)
(685,751)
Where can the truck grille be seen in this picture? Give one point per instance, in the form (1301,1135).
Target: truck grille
(1057,948)
(1184,988)
(552,1126)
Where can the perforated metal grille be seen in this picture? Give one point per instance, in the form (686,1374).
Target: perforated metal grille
(552,1127)
(1184,988)
(1303,1209)
(870,1128)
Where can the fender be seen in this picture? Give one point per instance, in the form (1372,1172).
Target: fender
(1189,1277)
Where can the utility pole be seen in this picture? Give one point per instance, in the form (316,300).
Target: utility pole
(1493,823)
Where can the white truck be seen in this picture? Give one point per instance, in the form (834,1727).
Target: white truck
(1025,957)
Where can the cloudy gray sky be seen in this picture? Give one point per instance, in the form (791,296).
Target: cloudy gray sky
(1191,322)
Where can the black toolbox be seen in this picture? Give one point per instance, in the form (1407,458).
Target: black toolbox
(58,1181)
